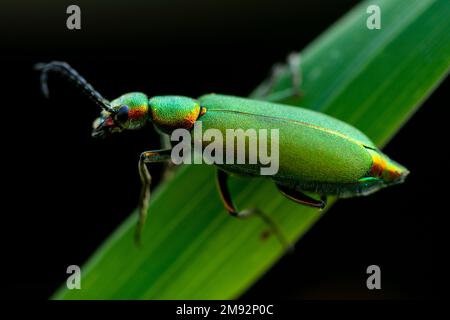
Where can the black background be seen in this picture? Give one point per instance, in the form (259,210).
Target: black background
(57,181)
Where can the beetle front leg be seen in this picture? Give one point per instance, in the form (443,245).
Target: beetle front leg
(224,192)
(146,178)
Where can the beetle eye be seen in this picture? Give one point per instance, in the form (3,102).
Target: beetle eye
(122,114)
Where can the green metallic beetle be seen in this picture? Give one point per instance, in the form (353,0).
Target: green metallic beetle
(318,154)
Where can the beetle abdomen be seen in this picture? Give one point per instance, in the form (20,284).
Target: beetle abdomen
(317,153)
(307,151)
(382,173)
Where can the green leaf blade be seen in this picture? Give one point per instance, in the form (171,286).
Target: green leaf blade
(373,79)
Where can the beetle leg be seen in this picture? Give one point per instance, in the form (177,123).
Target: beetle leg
(302,198)
(324,199)
(275,74)
(146,179)
(294,68)
(294,60)
(224,192)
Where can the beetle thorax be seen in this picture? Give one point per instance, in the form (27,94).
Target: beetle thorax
(173,112)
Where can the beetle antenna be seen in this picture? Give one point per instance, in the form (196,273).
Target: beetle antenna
(66,70)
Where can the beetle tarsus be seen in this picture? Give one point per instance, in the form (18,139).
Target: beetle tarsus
(324,200)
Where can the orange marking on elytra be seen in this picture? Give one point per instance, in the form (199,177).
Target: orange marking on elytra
(378,166)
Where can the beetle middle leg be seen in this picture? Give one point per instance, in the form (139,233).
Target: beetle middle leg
(293,66)
(146,179)
(301,198)
(224,192)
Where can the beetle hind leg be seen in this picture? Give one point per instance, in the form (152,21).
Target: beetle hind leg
(224,192)
(293,67)
(302,198)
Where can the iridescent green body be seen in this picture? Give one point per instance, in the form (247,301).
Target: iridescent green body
(318,153)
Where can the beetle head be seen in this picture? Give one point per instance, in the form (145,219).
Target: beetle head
(129,111)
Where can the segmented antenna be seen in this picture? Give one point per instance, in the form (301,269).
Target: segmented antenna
(66,70)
